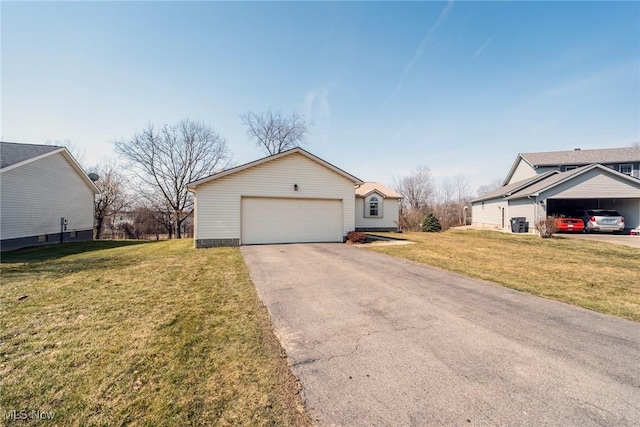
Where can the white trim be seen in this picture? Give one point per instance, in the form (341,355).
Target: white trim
(192,185)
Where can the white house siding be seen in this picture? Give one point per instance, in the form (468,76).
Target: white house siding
(389,220)
(218,206)
(489,213)
(36,195)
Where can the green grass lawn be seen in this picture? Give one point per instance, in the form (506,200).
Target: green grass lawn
(599,276)
(128,333)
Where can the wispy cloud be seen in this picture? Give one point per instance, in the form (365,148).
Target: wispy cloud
(416,57)
(422,47)
(481,48)
(316,102)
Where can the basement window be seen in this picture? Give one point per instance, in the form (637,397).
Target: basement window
(42,238)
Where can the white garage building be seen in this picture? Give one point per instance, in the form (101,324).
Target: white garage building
(289,197)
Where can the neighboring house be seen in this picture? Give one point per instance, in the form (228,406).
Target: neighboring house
(555,183)
(289,197)
(377,208)
(46,197)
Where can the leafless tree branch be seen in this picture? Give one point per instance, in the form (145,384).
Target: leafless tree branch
(274,132)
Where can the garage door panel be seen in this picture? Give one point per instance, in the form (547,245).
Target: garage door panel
(279,220)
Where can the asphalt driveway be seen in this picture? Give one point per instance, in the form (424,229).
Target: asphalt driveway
(377,340)
(618,239)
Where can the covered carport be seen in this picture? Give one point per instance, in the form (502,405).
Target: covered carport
(595,187)
(629,208)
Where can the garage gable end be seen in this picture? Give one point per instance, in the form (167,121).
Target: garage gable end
(284,200)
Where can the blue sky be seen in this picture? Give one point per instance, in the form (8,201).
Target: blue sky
(461,87)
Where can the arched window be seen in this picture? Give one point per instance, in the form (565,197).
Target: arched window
(373,206)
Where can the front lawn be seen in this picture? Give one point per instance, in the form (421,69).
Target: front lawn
(600,276)
(126,333)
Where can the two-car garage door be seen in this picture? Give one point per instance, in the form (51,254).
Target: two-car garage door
(282,220)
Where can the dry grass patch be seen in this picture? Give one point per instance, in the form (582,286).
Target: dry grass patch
(599,276)
(116,333)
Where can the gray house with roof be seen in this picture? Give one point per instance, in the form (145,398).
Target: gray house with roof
(554,183)
(45,196)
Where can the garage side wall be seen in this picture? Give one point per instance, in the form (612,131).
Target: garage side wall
(218,212)
(489,213)
(523,208)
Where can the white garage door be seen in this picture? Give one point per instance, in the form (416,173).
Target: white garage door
(271,220)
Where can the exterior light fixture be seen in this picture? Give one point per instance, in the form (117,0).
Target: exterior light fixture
(295,187)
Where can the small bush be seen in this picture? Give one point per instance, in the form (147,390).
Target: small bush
(356,237)
(431,224)
(547,227)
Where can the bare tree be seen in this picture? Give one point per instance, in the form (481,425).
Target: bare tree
(167,159)
(112,198)
(78,152)
(274,132)
(635,144)
(462,196)
(488,188)
(416,188)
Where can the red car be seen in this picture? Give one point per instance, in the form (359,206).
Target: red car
(570,224)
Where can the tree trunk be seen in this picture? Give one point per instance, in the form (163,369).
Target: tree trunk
(99,223)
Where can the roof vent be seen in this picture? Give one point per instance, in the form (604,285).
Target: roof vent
(576,149)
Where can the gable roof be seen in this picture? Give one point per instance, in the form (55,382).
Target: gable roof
(576,157)
(370,187)
(192,185)
(561,177)
(13,155)
(583,157)
(509,189)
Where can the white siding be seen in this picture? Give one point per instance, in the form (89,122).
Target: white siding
(218,201)
(489,212)
(595,184)
(36,195)
(389,219)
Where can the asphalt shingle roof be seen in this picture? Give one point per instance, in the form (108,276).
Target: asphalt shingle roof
(583,157)
(367,187)
(510,188)
(12,152)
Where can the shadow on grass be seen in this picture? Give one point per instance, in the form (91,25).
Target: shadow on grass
(50,252)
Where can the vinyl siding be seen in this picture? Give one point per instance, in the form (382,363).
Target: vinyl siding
(522,171)
(389,219)
(594,184)
(36,195)
(523,208)
(489,212)
(218,202)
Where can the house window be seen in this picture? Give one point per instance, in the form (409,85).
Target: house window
(627,169)
(373,206)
